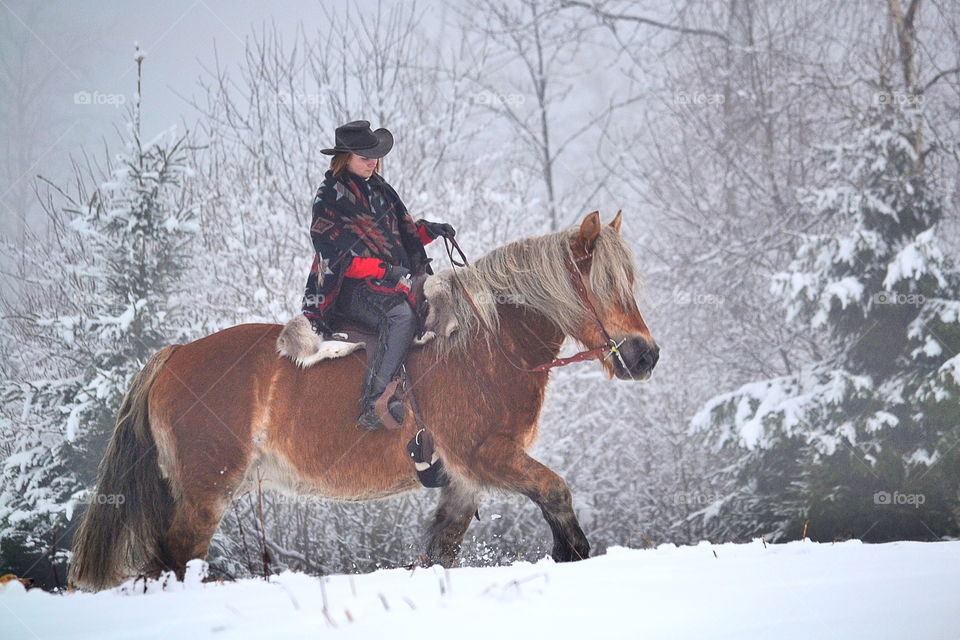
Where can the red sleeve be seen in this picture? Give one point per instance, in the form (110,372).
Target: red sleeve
(363,267)
(424,236)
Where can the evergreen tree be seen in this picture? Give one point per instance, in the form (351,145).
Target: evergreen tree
(105,299)
(863,441)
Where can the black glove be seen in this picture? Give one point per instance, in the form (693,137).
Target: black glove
(437,229)
(394,274)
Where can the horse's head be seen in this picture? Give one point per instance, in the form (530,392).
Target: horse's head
(606,266)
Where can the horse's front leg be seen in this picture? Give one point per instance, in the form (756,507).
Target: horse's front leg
(458,503)
(516,471)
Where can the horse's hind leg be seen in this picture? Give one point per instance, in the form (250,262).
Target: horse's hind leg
(195,520)
(458,503)
(550,492)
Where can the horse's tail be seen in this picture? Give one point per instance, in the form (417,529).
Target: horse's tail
(132,504)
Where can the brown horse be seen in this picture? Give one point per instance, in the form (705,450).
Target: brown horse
(203,422)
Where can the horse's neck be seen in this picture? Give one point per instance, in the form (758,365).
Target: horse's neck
(528,337)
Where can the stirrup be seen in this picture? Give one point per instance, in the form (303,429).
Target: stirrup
(397,409)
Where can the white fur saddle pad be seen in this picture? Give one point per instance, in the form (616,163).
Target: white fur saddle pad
(299,342)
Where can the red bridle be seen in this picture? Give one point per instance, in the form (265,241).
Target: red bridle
(611,346)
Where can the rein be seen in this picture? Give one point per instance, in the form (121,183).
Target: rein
(610,347)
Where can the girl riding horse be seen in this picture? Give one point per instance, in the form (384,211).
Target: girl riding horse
(367,249)
(210,420)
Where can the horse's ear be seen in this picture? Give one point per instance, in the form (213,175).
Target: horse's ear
(589,230)
(617,219)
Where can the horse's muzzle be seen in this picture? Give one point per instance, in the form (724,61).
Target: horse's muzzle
(639,356)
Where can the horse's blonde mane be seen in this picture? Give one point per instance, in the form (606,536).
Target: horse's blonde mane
(531,272)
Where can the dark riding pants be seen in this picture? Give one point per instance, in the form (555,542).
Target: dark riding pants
(391,316)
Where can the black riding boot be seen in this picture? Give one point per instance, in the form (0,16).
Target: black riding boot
(396,324)
(369,418)
(396,331)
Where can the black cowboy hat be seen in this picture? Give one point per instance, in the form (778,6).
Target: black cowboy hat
(357,138)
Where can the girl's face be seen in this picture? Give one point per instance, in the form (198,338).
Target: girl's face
(362,166)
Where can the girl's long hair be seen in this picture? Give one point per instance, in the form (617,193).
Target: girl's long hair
(340,160)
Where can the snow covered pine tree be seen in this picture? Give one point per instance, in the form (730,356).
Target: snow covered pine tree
(863,441)
(99,310)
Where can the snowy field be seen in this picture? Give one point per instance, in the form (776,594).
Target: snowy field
(797,590)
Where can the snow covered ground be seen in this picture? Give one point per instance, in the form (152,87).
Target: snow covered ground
(797,590)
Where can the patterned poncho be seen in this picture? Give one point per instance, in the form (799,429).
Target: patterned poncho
(359,228)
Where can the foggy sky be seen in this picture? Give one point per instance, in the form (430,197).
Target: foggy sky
(54,53)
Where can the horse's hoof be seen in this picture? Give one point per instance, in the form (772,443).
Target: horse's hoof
(568,553)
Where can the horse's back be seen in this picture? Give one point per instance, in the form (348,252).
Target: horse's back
(202,375)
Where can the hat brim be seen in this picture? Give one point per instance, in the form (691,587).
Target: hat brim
(382,148)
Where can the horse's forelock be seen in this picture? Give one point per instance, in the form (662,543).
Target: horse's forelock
(613,274)
(531,272)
